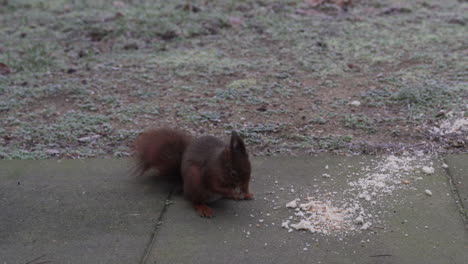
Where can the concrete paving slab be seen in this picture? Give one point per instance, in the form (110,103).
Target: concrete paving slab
(410,226)
(75,211)
(458,169)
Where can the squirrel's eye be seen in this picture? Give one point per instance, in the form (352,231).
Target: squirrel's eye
(234,173)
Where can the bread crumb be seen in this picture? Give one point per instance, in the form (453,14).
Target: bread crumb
(292,204)
(427,170)
(349,212)
(355,103)
(359,220)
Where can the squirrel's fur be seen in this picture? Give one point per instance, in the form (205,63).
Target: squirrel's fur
(207,166)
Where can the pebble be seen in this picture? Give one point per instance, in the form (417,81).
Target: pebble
(428,192)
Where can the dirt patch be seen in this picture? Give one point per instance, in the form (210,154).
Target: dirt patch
(293,78)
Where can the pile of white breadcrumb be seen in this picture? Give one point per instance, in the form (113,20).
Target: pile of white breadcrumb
(456,123)
(358,210)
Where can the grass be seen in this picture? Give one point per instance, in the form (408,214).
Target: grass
(359,122)
(280,72)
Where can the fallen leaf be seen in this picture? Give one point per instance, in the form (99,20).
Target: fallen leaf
(315,3)
(395,10)
(440,113)
(67,8)
(52,151)
(114,17)
(168,35)
(262,108)
(236,21)
(4,69)
(340,3)
(119,4)
(88,138)
(457,21)
(97,35)
(131,46)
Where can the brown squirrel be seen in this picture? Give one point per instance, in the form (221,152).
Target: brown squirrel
(208,167)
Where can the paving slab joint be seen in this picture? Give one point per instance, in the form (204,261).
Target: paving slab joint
(456,194)
(159,222)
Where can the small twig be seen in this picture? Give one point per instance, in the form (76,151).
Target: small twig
(29,262)
(383,255)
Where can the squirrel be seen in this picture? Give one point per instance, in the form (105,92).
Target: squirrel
(207,167)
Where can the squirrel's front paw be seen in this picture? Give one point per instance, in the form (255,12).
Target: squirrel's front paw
(243,196)
(248,196)
(237,196)
(204,211)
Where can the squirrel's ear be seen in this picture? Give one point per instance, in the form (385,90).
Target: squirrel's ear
(237,144)
(227,153)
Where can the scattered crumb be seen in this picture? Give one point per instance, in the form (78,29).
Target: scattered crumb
(292,204)
(456,124)
(428,192)
(427,170)
(366,226)
(319,217)
(354,212)
(359,220)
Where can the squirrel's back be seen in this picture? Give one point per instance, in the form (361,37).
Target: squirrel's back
(162,149)
(202,149)
(203,152)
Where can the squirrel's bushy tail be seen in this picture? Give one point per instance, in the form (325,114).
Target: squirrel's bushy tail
(161,149)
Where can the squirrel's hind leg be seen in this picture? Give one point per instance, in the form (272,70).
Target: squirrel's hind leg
(247,195)
(195,192)
(204,210)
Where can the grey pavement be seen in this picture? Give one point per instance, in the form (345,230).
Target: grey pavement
(75,211)
(458,171)
(92,211)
